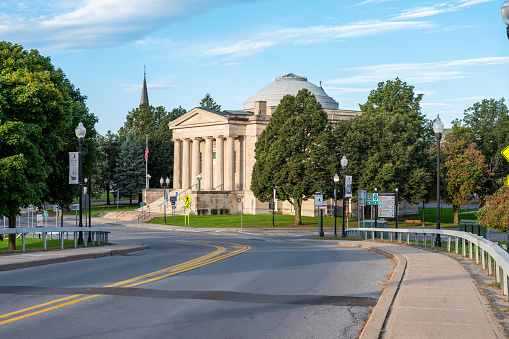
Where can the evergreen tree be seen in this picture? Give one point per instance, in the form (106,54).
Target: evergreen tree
(109,146)
(288,152)
(130,169)
(209,103)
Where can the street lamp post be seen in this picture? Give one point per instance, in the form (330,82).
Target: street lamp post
(344,163)
(336,180)
(198,177)
(80,131)
(162,181)
(148,180)
(505,15)
(438,128)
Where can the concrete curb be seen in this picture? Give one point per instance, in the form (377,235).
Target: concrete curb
(376,321)
(32,259)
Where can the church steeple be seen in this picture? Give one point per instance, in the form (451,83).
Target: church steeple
(144,92)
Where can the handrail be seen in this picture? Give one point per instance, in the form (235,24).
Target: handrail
(218,186)
(121,213)
(181,194)
(482,249)
(143,214)
(99,235)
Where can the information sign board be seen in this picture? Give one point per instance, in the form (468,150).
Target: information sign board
(173,199)
(318,199)
(387,205)
(362,198)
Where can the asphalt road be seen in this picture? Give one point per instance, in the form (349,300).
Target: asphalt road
(197,285)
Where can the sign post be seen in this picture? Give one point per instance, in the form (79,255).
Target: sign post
(318,205)
(187,209)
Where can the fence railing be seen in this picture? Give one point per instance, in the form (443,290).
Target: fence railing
(121,213)
(99,235)
(143,215)
(486,253)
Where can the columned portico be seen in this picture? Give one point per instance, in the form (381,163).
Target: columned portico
(219,175)
(208,164)
(186,170)
(196,161)
(176,164)
(229,173)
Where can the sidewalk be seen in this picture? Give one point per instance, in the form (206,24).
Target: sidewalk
(430,295)
(21,260)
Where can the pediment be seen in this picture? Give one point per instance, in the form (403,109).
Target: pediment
(197,117)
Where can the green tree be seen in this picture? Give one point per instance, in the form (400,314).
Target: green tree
(130,169)
(38,105)
(152,122)
(209,103)
(387,145)
(287,153)
(109,145)
(495,211)
(487,123)
(463,170)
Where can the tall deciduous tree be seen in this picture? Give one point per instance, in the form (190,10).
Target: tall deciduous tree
(463,170)
(495,211)
(287,152)
(38,105)
(209,103)
(152,122)
(387,145)
(488,125)
(130,170)
(109,146)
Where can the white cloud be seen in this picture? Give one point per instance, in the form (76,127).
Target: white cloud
(438,8)
(417,72)
(313,34)
(96,23)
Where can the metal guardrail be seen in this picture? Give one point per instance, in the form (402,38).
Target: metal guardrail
(99,235)
(485,252)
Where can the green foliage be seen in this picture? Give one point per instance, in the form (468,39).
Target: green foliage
(109,145)
(130,169)
(289,152)
(463,170)
(209,103)
(153,122)
(39,110)
(495,211)
(487,123)
(386,145)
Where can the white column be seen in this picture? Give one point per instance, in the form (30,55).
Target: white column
(229,172)
(219,175)
(186,162)
(196,161)
(177,160)
(208,165)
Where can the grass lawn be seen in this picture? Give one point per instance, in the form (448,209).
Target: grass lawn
(265,221)
(34,245)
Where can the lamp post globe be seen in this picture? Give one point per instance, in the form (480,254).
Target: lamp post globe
(80,131)
(336,180)
(148,180)
(344,163)
(438,128)
(161,181)
(167,182)
(505,15)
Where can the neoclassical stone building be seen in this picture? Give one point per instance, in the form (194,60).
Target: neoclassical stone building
(219,148)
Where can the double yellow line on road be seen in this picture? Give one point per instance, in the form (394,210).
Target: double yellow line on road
(223,251)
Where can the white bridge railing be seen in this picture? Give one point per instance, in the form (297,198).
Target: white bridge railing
(485,252)
(99,235)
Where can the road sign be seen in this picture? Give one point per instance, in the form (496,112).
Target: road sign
(187,200)
(387,204)
(362,198)
(143,204)
(371,198)
(318,199)
(505,153)
(45,213)
(173,199)
(173,203)
(174,207)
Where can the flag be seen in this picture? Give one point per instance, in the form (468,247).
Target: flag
(146,152)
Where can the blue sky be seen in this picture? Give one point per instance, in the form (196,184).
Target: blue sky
(454,52)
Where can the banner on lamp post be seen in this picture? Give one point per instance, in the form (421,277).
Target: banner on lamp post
(73,168)
(348,186)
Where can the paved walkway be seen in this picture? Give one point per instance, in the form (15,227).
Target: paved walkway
(430,295)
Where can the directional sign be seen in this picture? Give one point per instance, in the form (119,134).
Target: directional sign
(387,205)
(371,198)
(187,199)
(174,207)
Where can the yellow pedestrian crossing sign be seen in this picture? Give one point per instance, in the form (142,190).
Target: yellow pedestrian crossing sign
(505,153)
(187,199)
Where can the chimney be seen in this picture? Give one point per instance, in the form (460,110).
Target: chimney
(260,107)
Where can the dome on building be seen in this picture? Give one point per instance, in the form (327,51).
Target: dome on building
(290,84)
